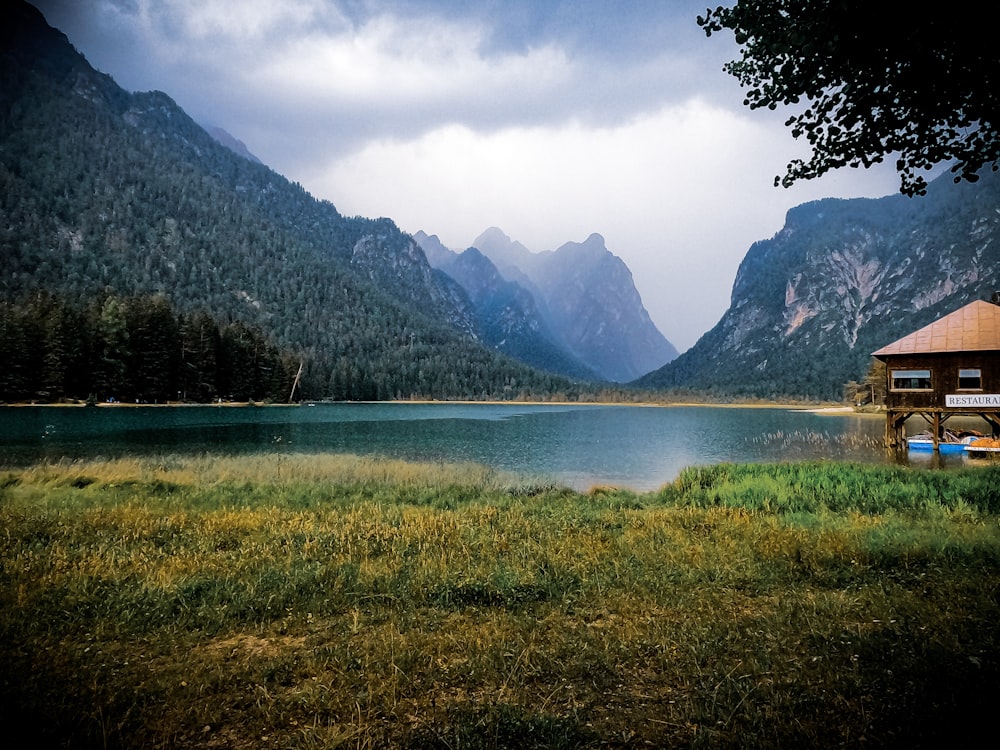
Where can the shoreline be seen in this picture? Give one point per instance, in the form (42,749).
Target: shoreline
(123,405)
(792,406)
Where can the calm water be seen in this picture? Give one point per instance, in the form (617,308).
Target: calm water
(577,445)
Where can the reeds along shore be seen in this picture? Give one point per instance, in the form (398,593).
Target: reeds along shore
(325,601)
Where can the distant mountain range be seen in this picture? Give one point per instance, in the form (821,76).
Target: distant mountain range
(574,310)
(840,280)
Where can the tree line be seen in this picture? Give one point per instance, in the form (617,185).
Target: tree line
(135,349)
(140,349)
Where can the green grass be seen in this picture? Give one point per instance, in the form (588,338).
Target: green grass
(330,601)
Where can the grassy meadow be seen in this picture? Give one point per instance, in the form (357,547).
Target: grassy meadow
(342,602)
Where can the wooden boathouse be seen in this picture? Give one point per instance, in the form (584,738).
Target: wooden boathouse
(947,368)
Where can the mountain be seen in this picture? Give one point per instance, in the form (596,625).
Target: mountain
(585,300)
(106,192)
(508,317)
(841,279)
(593,303)
(514,260)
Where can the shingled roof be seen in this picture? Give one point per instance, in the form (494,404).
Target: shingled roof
(973,328)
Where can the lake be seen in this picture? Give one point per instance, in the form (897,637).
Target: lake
(640,447)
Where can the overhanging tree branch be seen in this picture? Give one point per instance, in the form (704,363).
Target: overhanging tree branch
(919,83)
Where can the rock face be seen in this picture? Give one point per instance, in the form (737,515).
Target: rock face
(506,313)
(394,262)
(593,303)
(841,279)
(582,299)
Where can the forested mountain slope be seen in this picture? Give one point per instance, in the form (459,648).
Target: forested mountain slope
(104,192)
(840,280)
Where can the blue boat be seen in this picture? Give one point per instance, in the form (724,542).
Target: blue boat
(950,443)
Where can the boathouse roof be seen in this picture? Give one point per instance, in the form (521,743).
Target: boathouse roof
(973,328)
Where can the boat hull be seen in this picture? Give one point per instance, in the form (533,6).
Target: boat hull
(921,445)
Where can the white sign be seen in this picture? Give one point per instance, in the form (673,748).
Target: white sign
(972,399)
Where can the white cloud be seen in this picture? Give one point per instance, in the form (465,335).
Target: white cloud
(216,21)
(389,65)
(680,195)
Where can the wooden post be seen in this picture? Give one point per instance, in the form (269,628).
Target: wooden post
(296,381)
(894,421)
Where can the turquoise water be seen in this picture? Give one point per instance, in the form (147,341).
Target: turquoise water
(578,445)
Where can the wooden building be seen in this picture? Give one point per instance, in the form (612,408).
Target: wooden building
(948,368)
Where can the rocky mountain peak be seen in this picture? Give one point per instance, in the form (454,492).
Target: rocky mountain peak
(588,300)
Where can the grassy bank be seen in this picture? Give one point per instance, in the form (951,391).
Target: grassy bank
(316,602)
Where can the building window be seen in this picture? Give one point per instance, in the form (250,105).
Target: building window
(970,380)
(911,380)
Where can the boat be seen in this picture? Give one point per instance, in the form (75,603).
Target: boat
(950,443)
(983,446)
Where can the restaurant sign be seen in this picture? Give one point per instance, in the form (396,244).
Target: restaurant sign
(972,399)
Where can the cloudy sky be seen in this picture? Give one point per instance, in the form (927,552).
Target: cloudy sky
(550,119)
